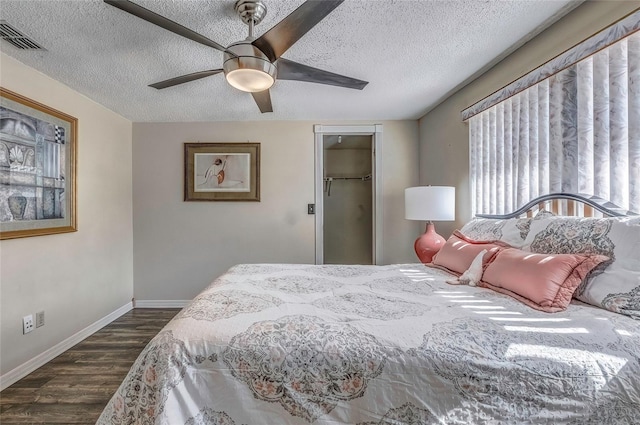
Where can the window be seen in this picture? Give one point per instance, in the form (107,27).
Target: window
(572,125)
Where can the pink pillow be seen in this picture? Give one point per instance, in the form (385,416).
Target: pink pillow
(457,254)
(543,281)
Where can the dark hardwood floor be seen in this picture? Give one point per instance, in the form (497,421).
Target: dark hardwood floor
(74,387)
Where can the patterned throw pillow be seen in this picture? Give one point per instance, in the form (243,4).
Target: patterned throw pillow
(512,231)
(525,224)
(616,287)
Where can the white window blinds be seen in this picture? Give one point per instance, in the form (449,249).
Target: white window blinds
(576,131)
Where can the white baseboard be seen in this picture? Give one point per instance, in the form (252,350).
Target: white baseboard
(27,367)
(160,303)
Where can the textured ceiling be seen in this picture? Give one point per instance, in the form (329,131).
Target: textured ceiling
(412,53)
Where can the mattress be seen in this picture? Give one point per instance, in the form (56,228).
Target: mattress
(345,344)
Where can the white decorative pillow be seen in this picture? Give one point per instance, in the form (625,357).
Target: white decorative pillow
(616,287)
(512,231)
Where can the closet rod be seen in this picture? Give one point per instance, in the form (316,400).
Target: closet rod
(363,178)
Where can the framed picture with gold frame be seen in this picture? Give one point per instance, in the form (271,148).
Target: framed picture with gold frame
(37,168)
(222,171)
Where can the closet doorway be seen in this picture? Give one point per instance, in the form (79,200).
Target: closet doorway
(348,205)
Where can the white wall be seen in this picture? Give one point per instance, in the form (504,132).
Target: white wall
(444,138)
(180,247)
(76,278)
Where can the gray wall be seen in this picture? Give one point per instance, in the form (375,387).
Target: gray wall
(444,138)
(180,247)
(76,278)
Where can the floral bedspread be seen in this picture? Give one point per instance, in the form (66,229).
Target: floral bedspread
(300,344)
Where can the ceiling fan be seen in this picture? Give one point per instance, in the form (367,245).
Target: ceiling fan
(253,64)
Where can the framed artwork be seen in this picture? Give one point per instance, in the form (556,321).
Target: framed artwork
(37,168)
(222,171)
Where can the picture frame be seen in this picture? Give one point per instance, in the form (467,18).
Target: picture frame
(37,168)
(222,172)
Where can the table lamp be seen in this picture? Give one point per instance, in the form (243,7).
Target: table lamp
(429,203)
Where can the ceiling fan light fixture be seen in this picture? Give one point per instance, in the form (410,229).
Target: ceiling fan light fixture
(250,80)
(247,68)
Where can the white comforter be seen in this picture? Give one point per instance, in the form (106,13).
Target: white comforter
(300,344)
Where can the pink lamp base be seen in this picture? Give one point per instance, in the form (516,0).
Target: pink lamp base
(428,244)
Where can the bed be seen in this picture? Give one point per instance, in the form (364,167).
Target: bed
(399,344)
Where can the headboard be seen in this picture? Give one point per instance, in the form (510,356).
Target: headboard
(568,204)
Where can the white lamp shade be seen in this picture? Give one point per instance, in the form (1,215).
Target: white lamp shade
(430,203)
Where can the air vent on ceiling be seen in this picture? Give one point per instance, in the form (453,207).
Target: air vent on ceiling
(18,39)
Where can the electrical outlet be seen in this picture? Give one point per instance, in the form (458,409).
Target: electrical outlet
(27,324)
(39,319)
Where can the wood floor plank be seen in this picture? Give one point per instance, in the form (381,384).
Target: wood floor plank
(53,414)
(72,381)
(4,407)
(75,387)
(34,380)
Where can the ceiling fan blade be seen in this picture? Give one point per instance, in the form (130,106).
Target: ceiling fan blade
(285,33)
(184,79)
(163,22)
(263,99)
(290,70)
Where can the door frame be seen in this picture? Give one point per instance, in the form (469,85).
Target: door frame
(375,131)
